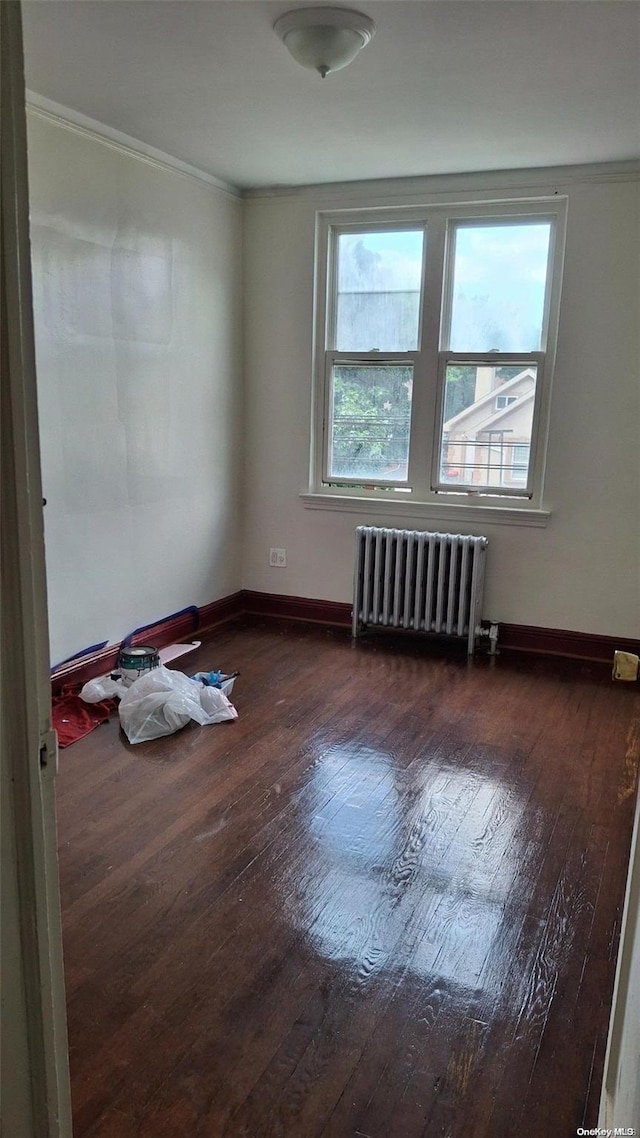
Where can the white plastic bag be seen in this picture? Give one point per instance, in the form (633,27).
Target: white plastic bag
(102,688)
(163,701)
(226,683)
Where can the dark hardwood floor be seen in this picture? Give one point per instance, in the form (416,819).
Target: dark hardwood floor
(385,902)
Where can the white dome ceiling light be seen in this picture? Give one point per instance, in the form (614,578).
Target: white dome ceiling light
(324,39)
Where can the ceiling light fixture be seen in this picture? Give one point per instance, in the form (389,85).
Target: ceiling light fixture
(324,39)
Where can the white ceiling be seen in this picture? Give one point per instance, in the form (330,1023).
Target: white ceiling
(445,86)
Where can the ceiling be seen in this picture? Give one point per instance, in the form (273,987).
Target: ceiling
(446,86)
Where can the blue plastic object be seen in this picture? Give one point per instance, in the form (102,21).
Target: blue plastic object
(193,609)
(77,655)
(210,679)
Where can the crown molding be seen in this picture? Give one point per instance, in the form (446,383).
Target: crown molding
(522,179)
(396,188)
(124,143)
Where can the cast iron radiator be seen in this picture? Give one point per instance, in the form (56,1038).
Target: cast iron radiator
(410,579)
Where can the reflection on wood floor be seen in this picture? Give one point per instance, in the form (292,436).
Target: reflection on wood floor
(384,902)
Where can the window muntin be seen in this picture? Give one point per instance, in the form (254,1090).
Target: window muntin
(378,290)
(418,471)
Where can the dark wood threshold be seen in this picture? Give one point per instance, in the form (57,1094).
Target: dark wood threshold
(336,614)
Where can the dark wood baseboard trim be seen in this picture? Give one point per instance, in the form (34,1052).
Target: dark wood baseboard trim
(563,642)
(85,668)
(163,632)
(512,637)
(219,612)
(297,608)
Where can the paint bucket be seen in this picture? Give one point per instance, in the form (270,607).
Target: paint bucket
(134,662)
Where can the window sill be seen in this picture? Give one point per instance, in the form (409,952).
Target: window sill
(429,511)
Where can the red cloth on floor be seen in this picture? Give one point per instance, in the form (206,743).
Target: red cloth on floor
(73,718)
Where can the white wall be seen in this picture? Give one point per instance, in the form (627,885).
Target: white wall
(137,276)
(581,572)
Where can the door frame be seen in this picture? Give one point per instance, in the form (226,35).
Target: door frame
(34,1076)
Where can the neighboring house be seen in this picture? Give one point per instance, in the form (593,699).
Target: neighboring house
(488,443)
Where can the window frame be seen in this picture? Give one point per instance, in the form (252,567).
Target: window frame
(429,360)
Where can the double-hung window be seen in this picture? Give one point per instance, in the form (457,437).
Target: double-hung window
(436,336)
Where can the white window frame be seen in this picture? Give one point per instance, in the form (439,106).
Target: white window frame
(422,489)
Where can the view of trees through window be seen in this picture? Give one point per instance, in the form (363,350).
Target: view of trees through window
(377,309)
(371,421)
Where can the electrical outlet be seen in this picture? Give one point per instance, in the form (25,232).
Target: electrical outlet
(278,558)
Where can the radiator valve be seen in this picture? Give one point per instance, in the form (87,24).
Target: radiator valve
(492,633)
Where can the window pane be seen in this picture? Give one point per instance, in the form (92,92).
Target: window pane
(378,300)
(486,435)
(499,281)
(370,421)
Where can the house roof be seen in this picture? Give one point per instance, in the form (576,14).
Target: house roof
(502,416)
(504,389)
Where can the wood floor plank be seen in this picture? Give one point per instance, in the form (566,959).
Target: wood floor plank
(385,901)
